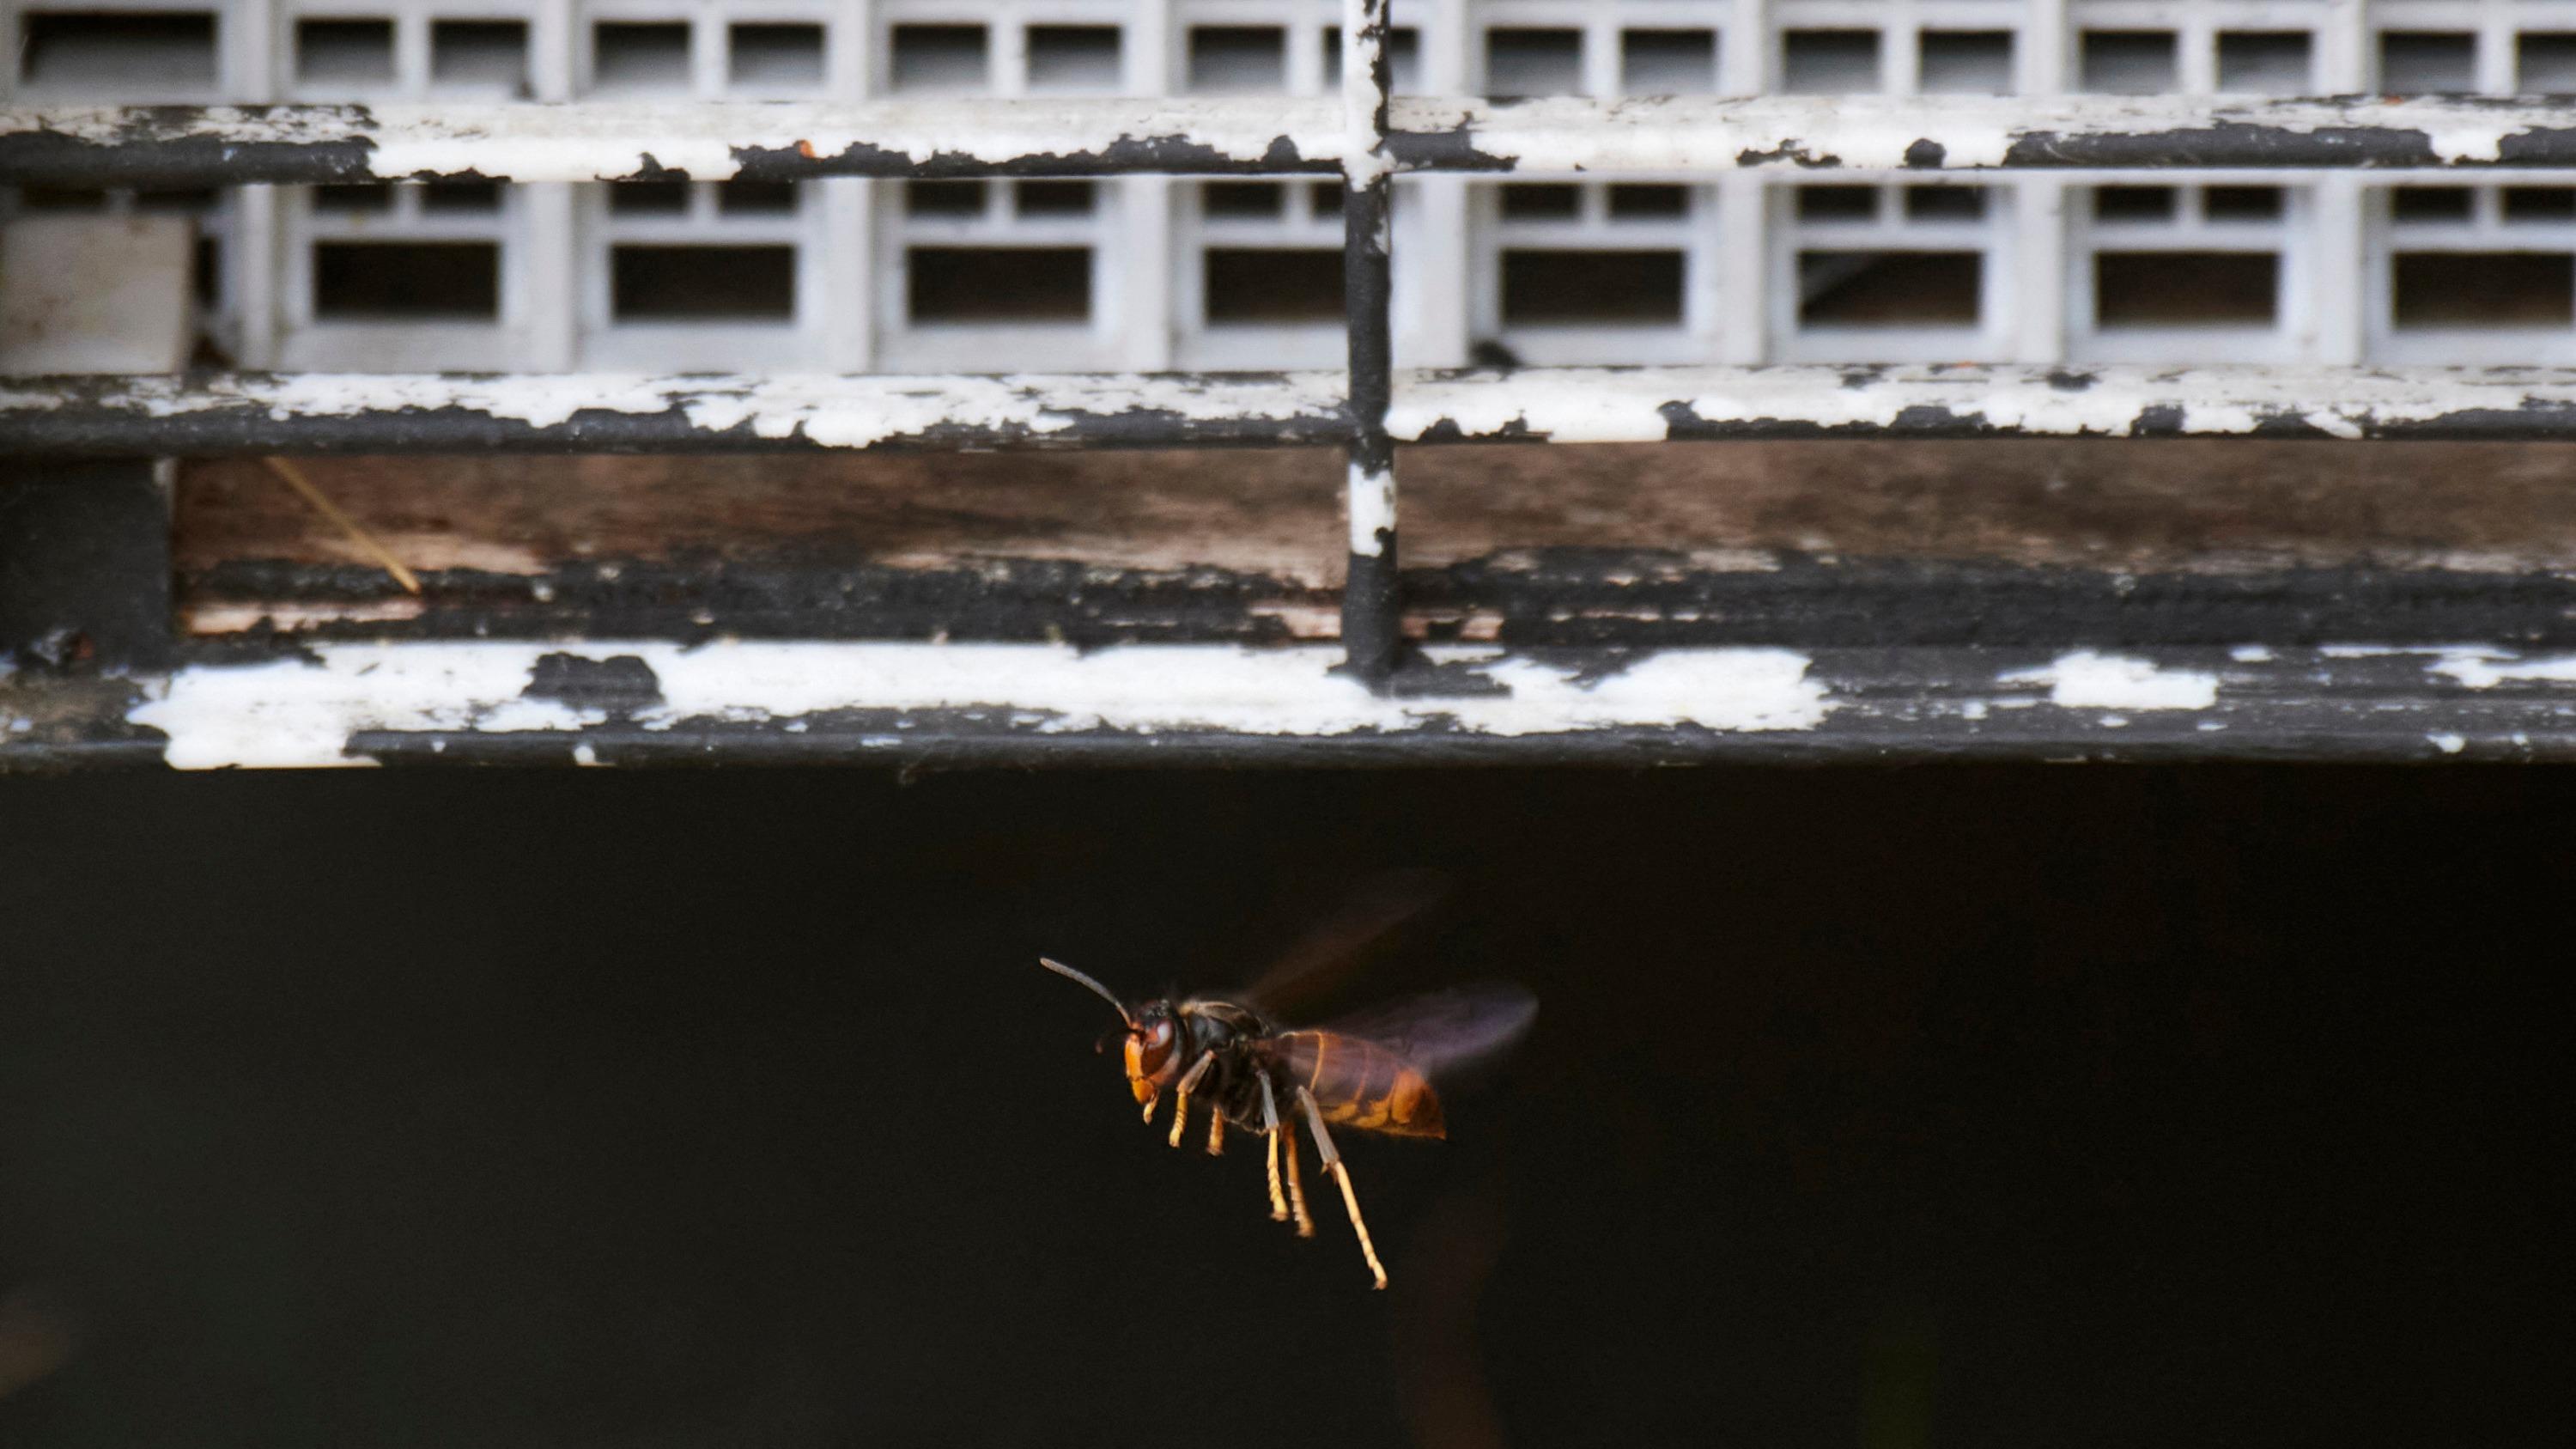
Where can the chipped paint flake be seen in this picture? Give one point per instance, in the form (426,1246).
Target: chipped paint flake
(2086,680)
(2487,668)
(297,713)
(1364,155)
(1372,509)
(2447,744)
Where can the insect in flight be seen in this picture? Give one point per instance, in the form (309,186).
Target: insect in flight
(1369,1073)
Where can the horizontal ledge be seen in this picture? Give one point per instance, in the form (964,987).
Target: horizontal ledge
(1682,135)
(754,140)
(262,413)
(664,141)
(750,702)
(207,415)
(1943,401)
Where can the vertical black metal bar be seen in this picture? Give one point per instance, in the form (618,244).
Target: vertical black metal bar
(84,565)
(1372,603)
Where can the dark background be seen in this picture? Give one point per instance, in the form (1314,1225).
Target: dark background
(1966,1106)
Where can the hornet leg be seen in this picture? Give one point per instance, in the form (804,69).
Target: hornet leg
(1270,1129)
(1341,1174)
(1296,1187)
(1181,1094)
(1216,1132)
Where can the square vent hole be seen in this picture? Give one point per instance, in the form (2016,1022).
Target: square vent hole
(2243,203)
(648,198)
(1238,59)
(1054,198)
(1667,62)
(2133,203)
(2427,62)
(2264,62)
(2545,63)
(1533,62)
(2430,203)
(1837,203)
(1967,62)
(757,198)
(106,51)
(1636,202)
(1242,198)
(2127,62)
(943,198)
(1541,201)
(702,283)
(939,59)
(2186,289)
(1272,285)
(354,197)
(775,57)
(1890,289)
(2486,290)
(406,281)
(637,58)
(998,284)
(1066,58)
(481,55)
(1592,288)
(461,196)
(1828,62)
(2539,203)
(344,52)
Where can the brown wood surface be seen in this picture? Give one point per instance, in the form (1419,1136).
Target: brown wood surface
(1277,514)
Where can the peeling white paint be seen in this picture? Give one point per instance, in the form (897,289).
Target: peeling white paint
(2487,668)
(1372,507)
(1628,405)
(593,141)
(294,713)
(2448,744)
(1568,405)
(1364,156)
(1693,134)
(2250,654)
(828,408)
(2086,680)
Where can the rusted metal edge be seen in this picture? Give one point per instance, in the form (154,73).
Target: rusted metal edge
(777,141)
(218,414)
(805,702)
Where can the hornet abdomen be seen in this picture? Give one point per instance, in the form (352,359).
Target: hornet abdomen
(1359,1083)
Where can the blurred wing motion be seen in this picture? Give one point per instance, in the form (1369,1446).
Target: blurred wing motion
(1445,1028)
(1326,956)
(1372,1071)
